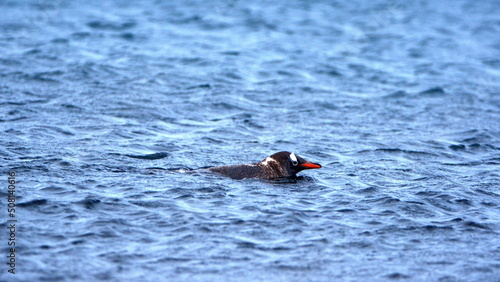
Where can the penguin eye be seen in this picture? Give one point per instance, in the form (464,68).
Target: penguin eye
(294,159)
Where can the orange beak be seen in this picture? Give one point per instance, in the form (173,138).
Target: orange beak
(309,165)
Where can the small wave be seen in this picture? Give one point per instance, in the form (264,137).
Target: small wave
(155,156)
(433,92)
(107,25)
(89,203)
(474,224)
(399,151)
(33,203)
(397,94)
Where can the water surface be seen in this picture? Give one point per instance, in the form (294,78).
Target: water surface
(398,101)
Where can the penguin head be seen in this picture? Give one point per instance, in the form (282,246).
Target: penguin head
(292,163)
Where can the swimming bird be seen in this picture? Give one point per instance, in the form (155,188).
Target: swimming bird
(280,165)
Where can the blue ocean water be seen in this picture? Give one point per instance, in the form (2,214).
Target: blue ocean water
(399,101)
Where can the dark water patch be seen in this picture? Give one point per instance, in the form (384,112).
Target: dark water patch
(397,95)
(86,235)
(465,202)
(200,86)
(473,224)
(30,168)
(60,40)
(356,245)
(289,267)
(49,76)
(399,151)
(397,276)
(346,210)
(433,92)
(89,203)
(129,36)
(184,196)
(80,35)
(174,259)
(432,228)
(387,213)
(155,156)
(329,70)
(26,102)
(384,200)
(472,164)
(483,147)
(417,229)
(460,147)
(105,25)
(65,163)
(13,119)
(369,190)
(31,158)
(120,169)
(56,129)
(78,242)
(72,107)
(477,137)
(33,203)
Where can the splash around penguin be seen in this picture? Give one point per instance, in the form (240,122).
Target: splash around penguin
(280,165)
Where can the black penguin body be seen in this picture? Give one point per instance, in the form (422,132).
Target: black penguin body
(279,165)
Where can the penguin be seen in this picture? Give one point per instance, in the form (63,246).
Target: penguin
(279,165)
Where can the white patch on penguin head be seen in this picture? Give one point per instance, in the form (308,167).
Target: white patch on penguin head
(268,160)
(293,157)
